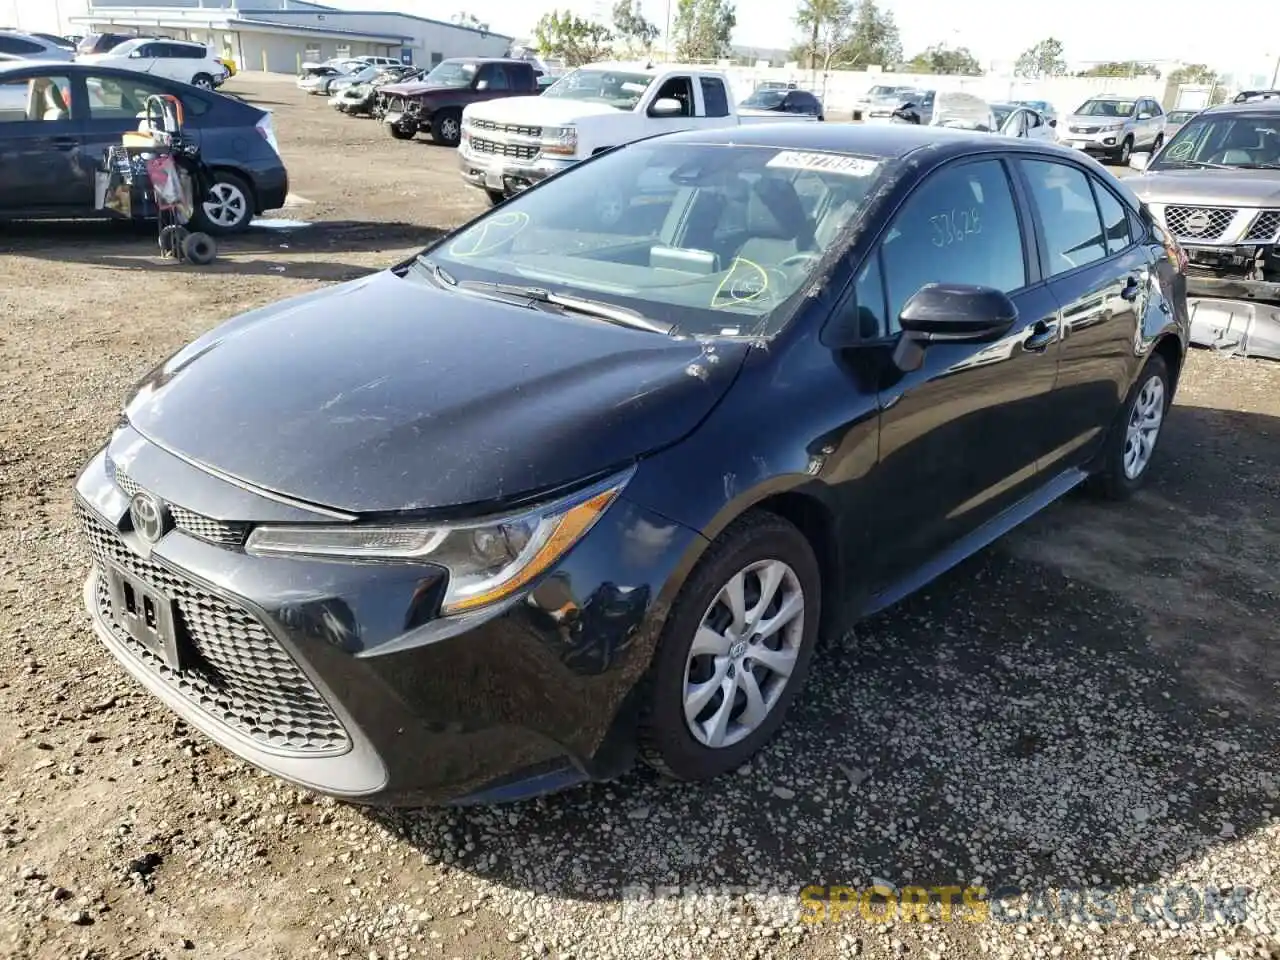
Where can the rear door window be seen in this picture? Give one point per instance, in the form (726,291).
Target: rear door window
(1068,215)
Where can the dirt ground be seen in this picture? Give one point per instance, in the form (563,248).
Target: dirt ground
(1091,702)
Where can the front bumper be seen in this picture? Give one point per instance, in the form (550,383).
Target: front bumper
(1097,141)
(340,678)
(503,174)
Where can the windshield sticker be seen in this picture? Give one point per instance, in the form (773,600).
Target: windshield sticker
(1182,149)
(746,282)
(489,235)
(829,162)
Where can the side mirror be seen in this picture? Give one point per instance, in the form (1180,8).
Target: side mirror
(136,55)
(666,107)
(1139,161)
(1144,116)
(950,313)
(482,84)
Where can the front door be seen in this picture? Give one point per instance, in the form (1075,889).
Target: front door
(40,144)
(961,437)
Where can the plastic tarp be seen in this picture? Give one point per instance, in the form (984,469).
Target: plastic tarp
(965,111)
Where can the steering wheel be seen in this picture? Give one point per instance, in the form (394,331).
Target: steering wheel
(797,258)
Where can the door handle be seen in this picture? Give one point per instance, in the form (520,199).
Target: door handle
(1042,334)
(66,143)
(1131,287)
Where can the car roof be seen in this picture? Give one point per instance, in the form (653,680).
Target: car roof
(1249,106)
(889,140)
(70,68)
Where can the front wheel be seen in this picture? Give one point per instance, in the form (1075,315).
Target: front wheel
(734,651)
(1126,150)
(401,132)
(227,206)
(1155,147)
(1132,439)
(446,128)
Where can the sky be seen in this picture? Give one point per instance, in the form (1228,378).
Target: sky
(1233,39)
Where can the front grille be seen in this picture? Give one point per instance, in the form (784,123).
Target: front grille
(1086,129)
(237,672)
(227,533)
(1198,223)
(518,151)
(506,128)
(1264,228)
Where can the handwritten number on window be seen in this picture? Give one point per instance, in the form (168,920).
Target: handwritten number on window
(955,225)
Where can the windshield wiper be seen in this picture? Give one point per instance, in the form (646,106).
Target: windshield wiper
(588,308)
(1199,163)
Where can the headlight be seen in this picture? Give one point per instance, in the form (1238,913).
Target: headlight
(560,140)
(487,560)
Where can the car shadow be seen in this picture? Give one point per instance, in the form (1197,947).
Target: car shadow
(1041,716)
(292,249)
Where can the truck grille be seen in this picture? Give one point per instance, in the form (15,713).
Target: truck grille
(517,151)
(1198,223)
(238,673)
(1264,228)
(506,128)
(225,533)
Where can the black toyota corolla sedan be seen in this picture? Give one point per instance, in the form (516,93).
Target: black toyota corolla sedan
(586,479)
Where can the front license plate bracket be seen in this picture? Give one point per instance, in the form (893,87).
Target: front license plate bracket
(146,614)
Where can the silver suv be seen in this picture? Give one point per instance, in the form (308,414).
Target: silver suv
(1115,126)
(1216,187)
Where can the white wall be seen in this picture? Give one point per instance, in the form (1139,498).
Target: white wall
(426,37)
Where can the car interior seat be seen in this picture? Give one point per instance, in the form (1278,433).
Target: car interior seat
(55,104)
(777,225)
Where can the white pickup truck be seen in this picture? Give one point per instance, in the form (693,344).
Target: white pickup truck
(510,144)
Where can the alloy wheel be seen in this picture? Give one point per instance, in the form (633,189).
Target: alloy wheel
(225,205)
(449,129)
(743,653)
(1145,420)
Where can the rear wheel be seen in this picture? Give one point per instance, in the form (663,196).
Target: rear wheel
(227,206)
(203,81)
(735,650)
(1132,439)
(446,128)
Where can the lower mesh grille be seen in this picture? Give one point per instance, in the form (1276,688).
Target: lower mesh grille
(238,674)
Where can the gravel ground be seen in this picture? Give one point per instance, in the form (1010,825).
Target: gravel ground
(1090,703)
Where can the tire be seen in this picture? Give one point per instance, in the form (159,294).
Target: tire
(1116,479)
(401,133)
(1155,147)
(1126,151)
(446,128)
(172,240)
(227,208)
(667,740)
(199,248)
(495,197)
(203,81)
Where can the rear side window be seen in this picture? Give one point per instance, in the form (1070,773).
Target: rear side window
(714,97)
(1072,228)
(959,226)
(18,46)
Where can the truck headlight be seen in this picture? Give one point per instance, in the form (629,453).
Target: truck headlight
(560,141)
(487,560)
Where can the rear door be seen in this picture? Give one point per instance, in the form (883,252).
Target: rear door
(1103,281)
(41,146)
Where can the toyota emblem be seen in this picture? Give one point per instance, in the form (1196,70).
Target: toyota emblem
(148,516)
(1197,223)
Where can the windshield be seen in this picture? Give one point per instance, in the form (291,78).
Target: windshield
(1001,113)
(1106,108)
(1181,116)
(1225,141)
(765,99)
(451,73)
(878,92)
(620,90)
(711,238)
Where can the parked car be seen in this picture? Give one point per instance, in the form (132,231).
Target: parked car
(1115,126)
(102,42)
(435,103)
(397,565)
(881,109)
(230,64)
(381,61)
(28,46)
(1249,96)
(78,110)
(66,43)
(878,95)
(359,99)
(948,108)
(1042,107)
(1216,188)
(1174,120)
(783,101)
(177,60)
(343,81)
(1014,120)
(508,145)
(316,77)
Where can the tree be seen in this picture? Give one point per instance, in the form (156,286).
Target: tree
(630,26)
(704,28)
(1194,73)
(1042,60)
(1121,68)
(873,38)
(463,19)
(942,59)
(829,26)
(573,39)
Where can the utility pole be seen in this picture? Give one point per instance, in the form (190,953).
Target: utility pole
(667,36)
(1275,74)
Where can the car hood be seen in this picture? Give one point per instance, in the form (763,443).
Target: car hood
(416,88)
(388,394)
(1246,188)
(540,111)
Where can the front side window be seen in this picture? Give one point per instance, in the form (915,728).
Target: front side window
(1069,216)
(679,89)
(616,88)
(1226,140)
(35,99)
(959,226)
(714,238)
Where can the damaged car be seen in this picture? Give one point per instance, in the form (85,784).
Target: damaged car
(1216,188)
(434,104)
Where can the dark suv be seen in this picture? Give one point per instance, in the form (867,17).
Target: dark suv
(102,42)
(434,103)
